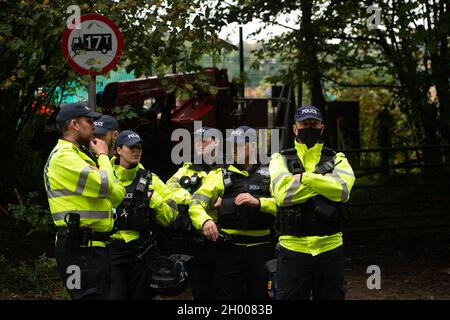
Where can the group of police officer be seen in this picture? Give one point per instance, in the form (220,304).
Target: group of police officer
(237,216)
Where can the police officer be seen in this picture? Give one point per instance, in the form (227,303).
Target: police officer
(245,217)
(204,147)
(183,184)
(81,193)
(309,182)
(107,129)
(135,218)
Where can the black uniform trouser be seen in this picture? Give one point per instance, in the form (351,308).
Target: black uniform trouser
(86,272)
(300,274)
(201,270)
(130,280)
(240,271)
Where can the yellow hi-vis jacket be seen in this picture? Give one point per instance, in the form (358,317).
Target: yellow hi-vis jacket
(75,184)
(165,208)
(213,188)
(180,194)
(288,192)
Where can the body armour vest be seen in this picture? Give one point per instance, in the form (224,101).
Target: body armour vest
(134,212)
(245,217)
(318,216)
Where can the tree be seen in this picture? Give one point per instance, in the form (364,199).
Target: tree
(157,35)
(408,54)
(299,47)
(413,42)
(400,41)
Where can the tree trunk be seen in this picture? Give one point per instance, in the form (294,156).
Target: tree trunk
(313,73)
(414,91)
(441,74)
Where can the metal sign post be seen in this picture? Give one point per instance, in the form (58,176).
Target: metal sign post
(92,93)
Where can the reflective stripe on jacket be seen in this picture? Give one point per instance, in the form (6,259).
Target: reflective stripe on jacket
(287,192)
(74,183)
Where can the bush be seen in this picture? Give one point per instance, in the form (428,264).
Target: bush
(33,213)
(33,280)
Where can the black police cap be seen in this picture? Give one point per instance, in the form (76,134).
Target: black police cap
(74,110)
(128,138)
(106,123)
(242,134)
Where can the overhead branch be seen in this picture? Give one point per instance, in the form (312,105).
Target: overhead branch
(362,85)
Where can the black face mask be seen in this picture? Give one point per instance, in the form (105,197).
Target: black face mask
(309,136)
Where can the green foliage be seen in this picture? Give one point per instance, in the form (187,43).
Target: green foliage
(32,213)
(401,59)
(31,280)
(156,36)
(125,112)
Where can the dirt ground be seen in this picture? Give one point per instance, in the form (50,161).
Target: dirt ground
(410,269)
(407,273)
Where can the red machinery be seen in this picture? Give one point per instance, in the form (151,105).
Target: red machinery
(166,113)
(219,110)
(214,110)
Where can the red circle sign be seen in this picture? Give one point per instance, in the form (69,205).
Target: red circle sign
(93,46)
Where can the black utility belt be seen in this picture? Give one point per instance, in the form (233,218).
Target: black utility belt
(236,238)
(82,237)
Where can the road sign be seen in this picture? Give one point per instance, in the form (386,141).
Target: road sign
(95,47)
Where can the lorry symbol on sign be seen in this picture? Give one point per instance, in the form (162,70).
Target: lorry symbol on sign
(92,42)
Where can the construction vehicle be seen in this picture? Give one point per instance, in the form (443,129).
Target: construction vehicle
(160,112)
